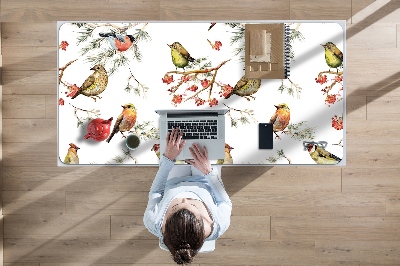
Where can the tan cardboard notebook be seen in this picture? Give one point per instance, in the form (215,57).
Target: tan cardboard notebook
(267,51)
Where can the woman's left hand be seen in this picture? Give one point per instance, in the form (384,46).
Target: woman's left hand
(174,144)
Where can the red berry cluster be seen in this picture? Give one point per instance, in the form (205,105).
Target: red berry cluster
(331,99)
(337,122)
(205,83)
(73,89)
(185,78)
(176,99)
(192,88)
(168,79)
(225,91)
(338,78)
(321,79)
(199,101)
(61,101)
(213,102)
(217,45)
(63,45)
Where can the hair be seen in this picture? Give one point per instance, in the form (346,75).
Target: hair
(184,235)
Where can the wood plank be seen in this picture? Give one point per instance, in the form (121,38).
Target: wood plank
(368,155)
(383,108)
(228,251)
(359,6)
(381,180)
(51,106)
(129,227)
(309,204)
(16,130)
(26,154)
(364,252)
(393,204)
(44,62)
(101,178)
(305,9)
(224,10)
(249,227)
(33,202)
(107,203)
(282,179)
(113,264)
(121,10)
(356,108)
(53,226)
(24,106)
(384,36)
(335,228)
(368,12)
(27,34)
(373,131)
(365,80)
(21,264)
(30,82)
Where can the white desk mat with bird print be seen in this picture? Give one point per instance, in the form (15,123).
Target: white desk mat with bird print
(118,71)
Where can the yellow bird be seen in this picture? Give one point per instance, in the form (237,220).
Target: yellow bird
(180,56)
(72,156)
(333,56)
(228,157)
(322,156)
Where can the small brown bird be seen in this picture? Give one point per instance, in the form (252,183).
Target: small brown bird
(245,88)
(95,84)
(72,156)
(228,157)
(125,121)
(281,118)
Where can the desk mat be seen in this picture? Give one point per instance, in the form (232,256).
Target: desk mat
(135,68)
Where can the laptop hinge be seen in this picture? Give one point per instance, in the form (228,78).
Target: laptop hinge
(191,114)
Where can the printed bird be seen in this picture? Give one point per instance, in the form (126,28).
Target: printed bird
(156,149)
(180,56)
(245,88)
(125,121)
(333,56)
(322,156)
(72,156)
(281,118)
(228,157)
(95,84)
(118,41)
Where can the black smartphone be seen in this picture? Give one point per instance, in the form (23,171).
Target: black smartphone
(265,136)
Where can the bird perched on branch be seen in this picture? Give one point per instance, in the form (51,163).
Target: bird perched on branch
(281,118)
(228,157)
(180,56)
(245,88)
(95,84)
(333,56)
(322,156)
(125,121)
(118,41)
(72,156)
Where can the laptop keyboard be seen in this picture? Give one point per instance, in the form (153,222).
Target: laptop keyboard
(196,129)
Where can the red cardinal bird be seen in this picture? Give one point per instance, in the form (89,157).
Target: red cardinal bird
(119,42)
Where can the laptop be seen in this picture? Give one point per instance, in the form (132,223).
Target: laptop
(204,127)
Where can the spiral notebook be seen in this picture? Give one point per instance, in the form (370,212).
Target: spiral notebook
(267,51)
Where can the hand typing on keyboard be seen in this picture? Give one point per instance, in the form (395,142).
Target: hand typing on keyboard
(200,160)
(174,144)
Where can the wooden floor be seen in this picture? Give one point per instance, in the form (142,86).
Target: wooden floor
(281,215)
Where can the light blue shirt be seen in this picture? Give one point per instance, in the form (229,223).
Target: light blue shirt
(209,188)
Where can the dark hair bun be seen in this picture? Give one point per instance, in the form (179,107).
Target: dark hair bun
(183,255)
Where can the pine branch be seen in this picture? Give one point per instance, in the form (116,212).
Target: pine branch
(300,131)
(244,116)
(280,155)
(89,115)
(62,69)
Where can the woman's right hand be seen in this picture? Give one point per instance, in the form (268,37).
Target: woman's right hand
(200,159)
